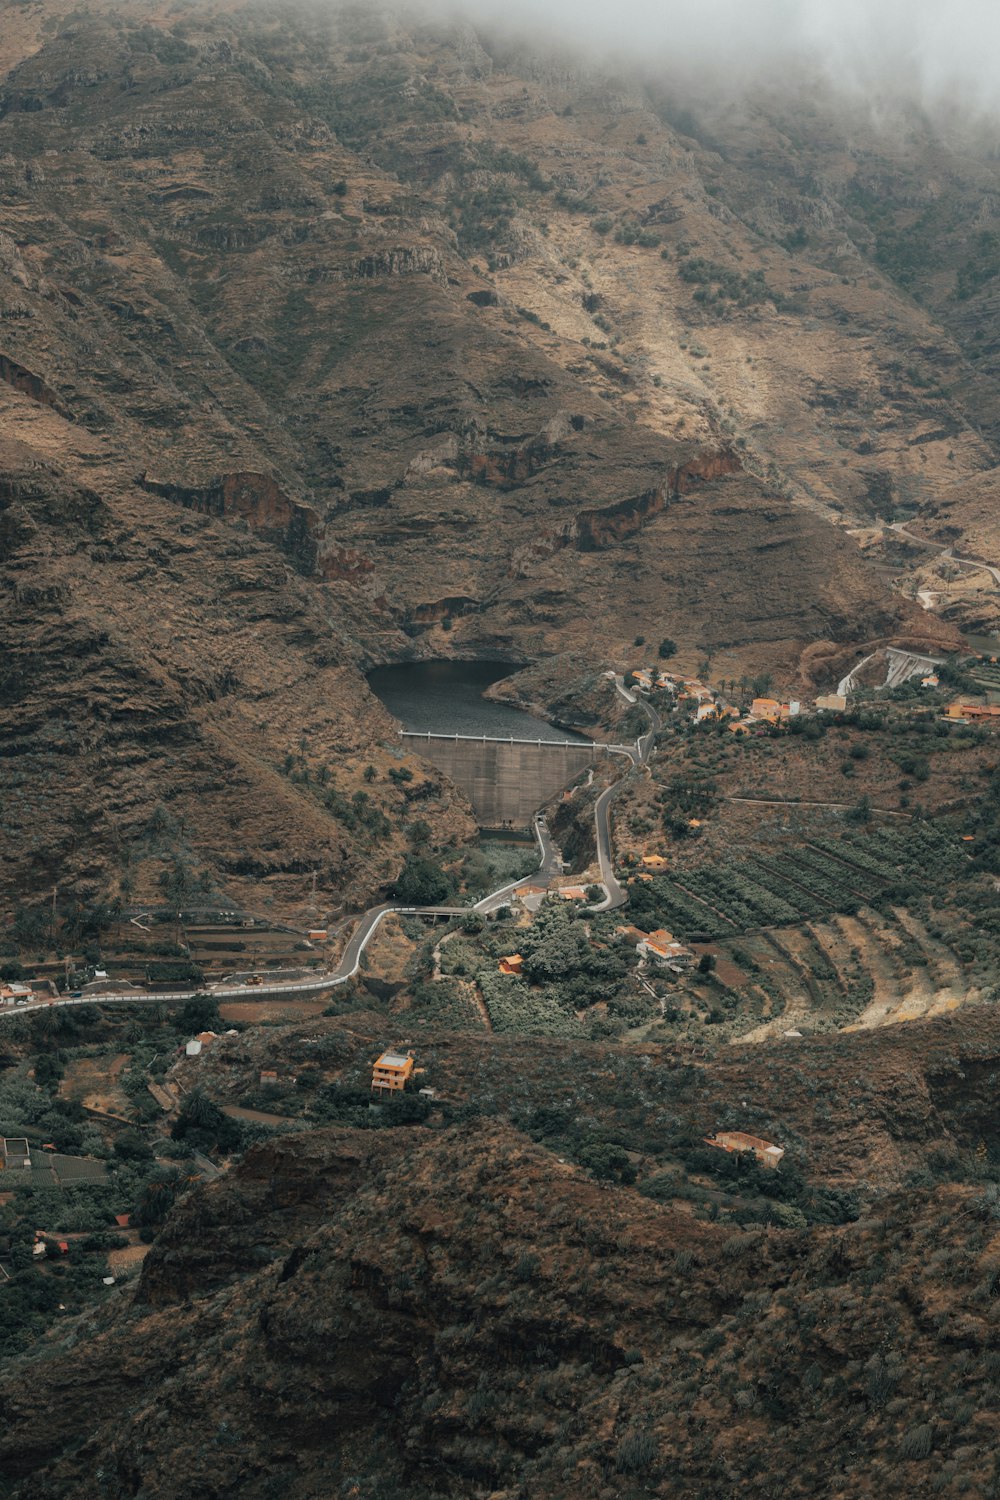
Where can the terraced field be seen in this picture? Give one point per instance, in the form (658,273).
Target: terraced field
(850,972)
(806,880)
(829,934)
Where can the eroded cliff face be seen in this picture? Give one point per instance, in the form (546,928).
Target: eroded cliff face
(259,503)
(455,1308)
(342,296)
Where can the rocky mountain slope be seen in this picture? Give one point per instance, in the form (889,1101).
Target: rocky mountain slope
(459,1310)
(328,337)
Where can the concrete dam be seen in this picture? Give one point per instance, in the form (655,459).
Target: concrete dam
(506,780)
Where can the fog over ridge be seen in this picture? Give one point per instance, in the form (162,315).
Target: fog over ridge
(944,51)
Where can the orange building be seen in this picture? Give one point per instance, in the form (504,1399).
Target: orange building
(390,1072)
(767,1154)
(973,711)
(512,964)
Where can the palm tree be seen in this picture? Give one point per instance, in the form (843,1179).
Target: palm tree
(200,1110)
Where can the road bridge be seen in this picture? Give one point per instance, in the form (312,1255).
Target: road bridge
(507,780)
(550,865)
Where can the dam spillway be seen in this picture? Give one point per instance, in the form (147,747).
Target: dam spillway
(506,780)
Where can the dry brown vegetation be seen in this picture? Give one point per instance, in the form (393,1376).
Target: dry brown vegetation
(433,1309)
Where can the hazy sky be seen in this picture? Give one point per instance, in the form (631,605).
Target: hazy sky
(943,48)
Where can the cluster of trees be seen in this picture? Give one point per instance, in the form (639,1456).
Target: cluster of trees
(422,882)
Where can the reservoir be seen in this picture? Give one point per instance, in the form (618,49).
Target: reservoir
(446,697)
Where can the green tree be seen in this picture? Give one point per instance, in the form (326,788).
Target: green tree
(421,882)
(131,1146)
(607,1161)
(200,1013)
(156,1196)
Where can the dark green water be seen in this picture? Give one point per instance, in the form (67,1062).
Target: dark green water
(446,697)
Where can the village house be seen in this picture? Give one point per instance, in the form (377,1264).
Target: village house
(572,893)
(772,711)
(971,712)
(832,702)
(654,862)
(16,994)
(512,964)
(663,948)
(767,1154)
(391,1072)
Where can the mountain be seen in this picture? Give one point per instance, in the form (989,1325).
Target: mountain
(332,337)
(462,1309)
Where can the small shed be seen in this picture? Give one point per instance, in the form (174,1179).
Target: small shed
(193,1047)
(16,1153)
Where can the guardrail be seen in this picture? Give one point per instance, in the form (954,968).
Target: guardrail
(496,739)
(328,981)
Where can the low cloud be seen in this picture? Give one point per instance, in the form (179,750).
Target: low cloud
(946,52)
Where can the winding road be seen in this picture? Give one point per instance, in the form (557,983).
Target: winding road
(549,866)
(947,553)
(602,811)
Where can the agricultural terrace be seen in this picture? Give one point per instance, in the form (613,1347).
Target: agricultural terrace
(903,760)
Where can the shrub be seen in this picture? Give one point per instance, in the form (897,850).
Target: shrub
(917,1441)
(635,1453)
(527,1266)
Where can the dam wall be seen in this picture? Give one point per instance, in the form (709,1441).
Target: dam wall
(505,780)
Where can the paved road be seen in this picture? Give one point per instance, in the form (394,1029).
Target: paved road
(947,552)
(208,1168)
(550,865)
(350,961)
(602,813)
